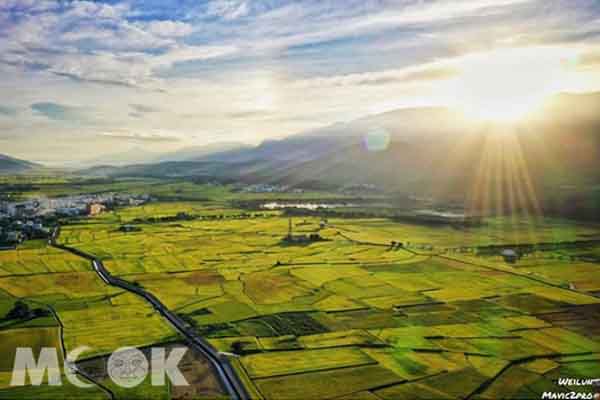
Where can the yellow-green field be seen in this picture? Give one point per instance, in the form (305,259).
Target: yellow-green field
(38,260)
(35,338)
(89,312)
(350,316)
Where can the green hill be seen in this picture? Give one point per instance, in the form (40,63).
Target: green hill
(10,165)
(550,161)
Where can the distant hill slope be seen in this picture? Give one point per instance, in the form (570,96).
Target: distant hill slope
(200,153)
(135,155)
(138,155)
(10,165)
(550,161)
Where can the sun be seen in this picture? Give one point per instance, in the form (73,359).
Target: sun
(507,85)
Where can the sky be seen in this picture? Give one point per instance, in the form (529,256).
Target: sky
(80,79)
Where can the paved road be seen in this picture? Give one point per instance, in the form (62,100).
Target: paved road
(231,382)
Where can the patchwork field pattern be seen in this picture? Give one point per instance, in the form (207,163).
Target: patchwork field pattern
(81,311)
(352,316)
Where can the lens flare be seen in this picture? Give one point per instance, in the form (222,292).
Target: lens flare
(377,139)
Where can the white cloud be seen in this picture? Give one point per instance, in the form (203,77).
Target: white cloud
(249,69)
(294,26)
(437,71)
(130,69)
(229,9)
(140,137)
(29,5)
(169,28)
(181,53)
(95,42)
(93,10)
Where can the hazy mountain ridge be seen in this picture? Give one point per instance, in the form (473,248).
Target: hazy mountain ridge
(14,165)
(137,155)
(199,153)
(408,145)
(549,160)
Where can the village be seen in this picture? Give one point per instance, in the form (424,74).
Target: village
(35,218)
(264,188)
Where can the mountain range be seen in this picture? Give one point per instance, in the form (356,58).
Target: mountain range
(10,165)
(138,155)
(551,160)
(397,148)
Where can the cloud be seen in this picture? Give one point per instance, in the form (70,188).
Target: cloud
(93,42)
(183,53)
(58,112)
(409,75)
(144,109)
(77,78)
(130,70)
(249,114)
(140,137)
(91,10)
(291,24)
(251,69)
(423,75)
(137,44)
(169,29)
(229,9)
(141,110)
(29,5)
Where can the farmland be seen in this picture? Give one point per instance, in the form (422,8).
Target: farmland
(81,311)
(352,315)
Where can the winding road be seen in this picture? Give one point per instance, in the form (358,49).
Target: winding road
(227,375)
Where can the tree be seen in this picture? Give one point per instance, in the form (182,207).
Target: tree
(19,311)
(41,312)
(237,347)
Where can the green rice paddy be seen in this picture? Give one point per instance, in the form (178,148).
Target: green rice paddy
(348,316)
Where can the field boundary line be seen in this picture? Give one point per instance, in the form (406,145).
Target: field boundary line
(229,379)
(76,370)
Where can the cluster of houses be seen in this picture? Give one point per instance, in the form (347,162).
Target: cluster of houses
(15,232)
(359,188)
(34,219)
(87,204)
(265,188)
